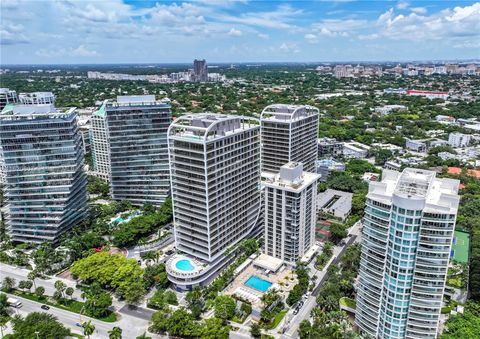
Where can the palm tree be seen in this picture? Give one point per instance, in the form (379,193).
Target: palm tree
(88,328)
(115,333)
(31,276)
(8,284)
(3,323)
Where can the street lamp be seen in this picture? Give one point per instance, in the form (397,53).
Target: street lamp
(37,332)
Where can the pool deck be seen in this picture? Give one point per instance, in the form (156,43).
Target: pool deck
(461,247)
(282,279)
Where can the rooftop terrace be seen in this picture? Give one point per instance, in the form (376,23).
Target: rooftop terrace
(209,126)
(287,113)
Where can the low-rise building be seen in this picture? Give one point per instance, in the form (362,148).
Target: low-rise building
(387,109)
(329,147)
(355,150)
(428,94)
(416,145)
(325,166)
(459,139)
(392,165)
(335,202)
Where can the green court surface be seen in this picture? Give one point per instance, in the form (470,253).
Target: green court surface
(460,247)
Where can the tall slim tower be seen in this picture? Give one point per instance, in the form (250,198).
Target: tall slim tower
(44,171)
(129,147)
(290,212)
(215,178)
(289,133)
(407,235)
(200,70)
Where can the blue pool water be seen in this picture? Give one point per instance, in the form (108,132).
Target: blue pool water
(184,265)
(258,283)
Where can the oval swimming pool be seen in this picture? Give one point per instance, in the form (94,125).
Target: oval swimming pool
(184,265)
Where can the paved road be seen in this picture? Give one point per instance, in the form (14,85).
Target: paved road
(49,284)
(137,312)
(69,319)
(293,321)
(135,320)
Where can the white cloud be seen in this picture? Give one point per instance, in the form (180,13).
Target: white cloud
(83,51)
(402,5)
(419,10)
(281,18)
(338,27)
(235,32)
(80,51)
(263,36)
(289,47)
(311,38)
(12,34)
(460,22)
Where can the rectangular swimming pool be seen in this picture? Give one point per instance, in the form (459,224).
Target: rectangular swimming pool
(258,284)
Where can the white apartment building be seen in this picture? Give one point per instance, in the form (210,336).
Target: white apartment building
(215,184)
(45,182)
(459,139)
(407,235)
(355,150)
(416,145)
(290,212)
(35,98)
(129,148)
(289,133)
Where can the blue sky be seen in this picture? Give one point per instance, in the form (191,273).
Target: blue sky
(126,31)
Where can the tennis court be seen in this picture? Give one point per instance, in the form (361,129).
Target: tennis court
(461,244)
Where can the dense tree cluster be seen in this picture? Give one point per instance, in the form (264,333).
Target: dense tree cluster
(37,325)
(128,233)
(301,287)
(328,320)
(112,271)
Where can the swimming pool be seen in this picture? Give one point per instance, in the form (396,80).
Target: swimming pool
(258,284)
(184,265)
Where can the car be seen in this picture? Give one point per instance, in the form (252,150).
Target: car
(45,307)
(295,312)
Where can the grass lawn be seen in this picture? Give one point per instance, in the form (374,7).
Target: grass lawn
(276,320)
(348,302)
(237,320)
(71,305)
(461,247)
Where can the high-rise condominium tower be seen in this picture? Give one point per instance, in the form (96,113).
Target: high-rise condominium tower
(215,177)
(407,234)
(129,148)
(290,212)
(289,133)
(45,180)
(200,70)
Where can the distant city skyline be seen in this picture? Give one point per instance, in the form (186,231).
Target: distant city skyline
(116,31)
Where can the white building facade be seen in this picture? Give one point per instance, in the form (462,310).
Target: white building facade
(215,184)
(459,139)
(290,212)
(407,235)
(289,133)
